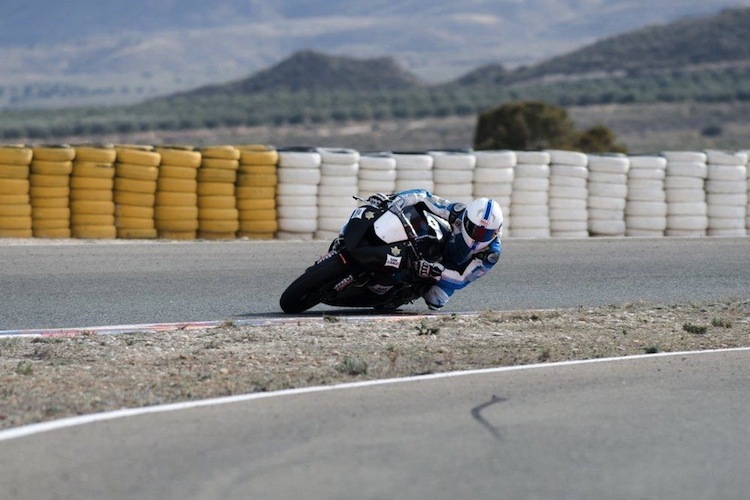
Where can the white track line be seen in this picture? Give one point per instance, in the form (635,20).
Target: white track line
(32,429)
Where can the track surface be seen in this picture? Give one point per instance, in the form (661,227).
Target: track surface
(93,284)
(661,427)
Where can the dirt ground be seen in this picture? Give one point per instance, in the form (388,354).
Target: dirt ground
(45,378)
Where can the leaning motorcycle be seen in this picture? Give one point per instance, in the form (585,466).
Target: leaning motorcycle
(370,264)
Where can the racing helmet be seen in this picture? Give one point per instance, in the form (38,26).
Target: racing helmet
(481,222)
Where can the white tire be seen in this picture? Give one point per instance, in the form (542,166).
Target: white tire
(569,225)
(606,227)
(724,158)
(337,191)
(491,190)
(299,159)
(645,184)
(682,182)
(685,195)
(372,187)
(377,175)
(646,209)
(532,157)
(565,214)
(727,173)
(606,203)
(336,212)
(726,187)
(337,180)
(609,164)
(331,223)
(292,212)
(740,199)
(347,202)
(726,223)
(562,157)
(495,159)
(608,190)
(569,171)
(297,201)
(531,184)
(729,211)
(643,233)
(608,178)
(532,170)
(687,222)
(571,192)
(646,173)
(493,175)
(530,210)
(298,175)
(446,160)
(529,198)
(568,203)
(414,175)
(413,161)
(687,169)
(606,214)
(649,223)
(529,221)
(339,169)
(687,208)
(646,195)
(445,176)
(454,191)
(562,181)
(405,185)
(382,161)
(648,163)
(297,189)
(298,225)
(338,156)
(684,156)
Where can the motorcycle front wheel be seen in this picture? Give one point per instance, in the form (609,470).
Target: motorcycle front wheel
(308,290)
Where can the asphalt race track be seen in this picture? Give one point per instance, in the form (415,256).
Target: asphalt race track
(659,426)
(92,284)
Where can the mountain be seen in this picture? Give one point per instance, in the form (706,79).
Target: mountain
(79,52)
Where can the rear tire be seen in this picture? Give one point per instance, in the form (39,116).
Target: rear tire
(307,290)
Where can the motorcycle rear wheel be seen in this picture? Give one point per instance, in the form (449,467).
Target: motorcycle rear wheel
(307,291)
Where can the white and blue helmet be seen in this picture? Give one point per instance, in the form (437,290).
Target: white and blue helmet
(481,222)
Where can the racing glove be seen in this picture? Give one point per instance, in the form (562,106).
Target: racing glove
(426,269)
(456,211)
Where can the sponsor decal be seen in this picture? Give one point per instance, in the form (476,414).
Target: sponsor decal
(357,214)
(369,215)
(396,251)
(380,289)
(393,261)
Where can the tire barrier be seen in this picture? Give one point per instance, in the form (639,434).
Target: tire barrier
(256,191)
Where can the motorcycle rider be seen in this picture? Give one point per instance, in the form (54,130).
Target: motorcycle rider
(473,248)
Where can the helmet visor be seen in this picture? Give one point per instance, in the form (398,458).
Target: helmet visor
(477,232)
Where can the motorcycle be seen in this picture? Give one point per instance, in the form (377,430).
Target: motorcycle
(370,263)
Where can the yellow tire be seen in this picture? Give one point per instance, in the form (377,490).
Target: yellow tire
(176,213)
(136,234)
(137,172)
(257,170)
(49,192)
(93,169)
(57,152)
(92,207)
(174,199)
(16,199)
(177,172)
(134,199)
(258,180)
(94,232)
(218,214)
(179,157)
(177,224)
(257,204)
(268,214)
(217,202)
(40,180)
(216,236)
(50,213)
(17,222)
(134,223)
(135,185)
(177,235)
(138,156)
(45,167)
(91,183)
(258,226)
(14,171)
(16,233)
(91,195)
(215,189)
(54,202)
(206,174)
(13,155)
(37,224)
(254,157)
(219,163)
(14,186)
(218,226)
(15,210)
(254,193)
(52,233)
(177,185)
(101,154)
(130,211)
(92,220)
(223,152)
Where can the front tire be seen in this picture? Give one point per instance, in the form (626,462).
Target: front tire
(307,290)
